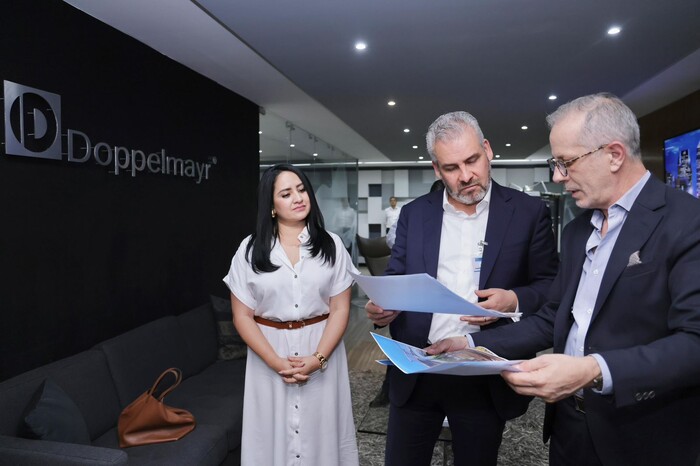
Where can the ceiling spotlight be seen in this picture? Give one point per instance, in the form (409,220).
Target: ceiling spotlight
(260,151)
(552,97)
(292,145)
(523,127)
(498,156)
(420,157)
(360,45)
(391,103)
(415,147)
(315,154)
(614,30)
(508,144)
(406,130)
(260,132)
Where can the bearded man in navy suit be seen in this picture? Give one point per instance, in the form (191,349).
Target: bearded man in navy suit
(623,386)
(486,243)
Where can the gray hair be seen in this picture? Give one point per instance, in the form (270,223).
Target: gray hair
(448,127)
(607,119)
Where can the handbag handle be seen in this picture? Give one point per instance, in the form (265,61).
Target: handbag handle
(178,378)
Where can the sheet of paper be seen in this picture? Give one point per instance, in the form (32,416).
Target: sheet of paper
(420,293)
(412,360)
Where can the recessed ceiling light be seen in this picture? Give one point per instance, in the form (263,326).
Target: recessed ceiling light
(415,147)
(259,132)
(260,151)
(360,45)
(523,127)
(406,130)
(614,30)
(315,154)
(552,97)
(420,157)
(292,145)
(498,156)
(391,103)
(507,144)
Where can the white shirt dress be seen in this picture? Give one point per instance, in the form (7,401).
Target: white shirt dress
(293,424)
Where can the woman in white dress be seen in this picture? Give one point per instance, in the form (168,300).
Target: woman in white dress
(290,294)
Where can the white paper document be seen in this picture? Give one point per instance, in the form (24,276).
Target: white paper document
(469,361)
(420,293)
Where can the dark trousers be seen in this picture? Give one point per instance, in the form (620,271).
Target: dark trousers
(466,401)
(571,443)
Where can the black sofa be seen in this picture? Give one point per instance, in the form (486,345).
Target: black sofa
(103,380)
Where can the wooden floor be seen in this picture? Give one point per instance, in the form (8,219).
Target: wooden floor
(359,344)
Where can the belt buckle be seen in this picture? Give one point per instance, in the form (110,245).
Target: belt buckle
(295,324)
(578,402)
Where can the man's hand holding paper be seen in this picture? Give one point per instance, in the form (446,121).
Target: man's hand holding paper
(496,299)
(379,316)
(422,293)
(448,345)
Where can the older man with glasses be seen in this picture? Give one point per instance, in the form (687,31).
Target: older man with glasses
(623,384)
(562,165)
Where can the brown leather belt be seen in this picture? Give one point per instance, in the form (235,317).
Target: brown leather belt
(290,324)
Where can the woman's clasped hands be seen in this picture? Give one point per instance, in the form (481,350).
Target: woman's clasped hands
(296,369)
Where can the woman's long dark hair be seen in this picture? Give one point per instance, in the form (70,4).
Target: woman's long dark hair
(266,231)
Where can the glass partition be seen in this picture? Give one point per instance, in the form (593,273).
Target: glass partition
(336,192)
(353,196)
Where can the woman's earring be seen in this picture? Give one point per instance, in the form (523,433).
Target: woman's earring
(274,214)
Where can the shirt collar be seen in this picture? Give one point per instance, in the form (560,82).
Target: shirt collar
(480,207)
(625,202)
(304,235)
(627,199)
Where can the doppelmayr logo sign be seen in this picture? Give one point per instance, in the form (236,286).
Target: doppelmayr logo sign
(33,129)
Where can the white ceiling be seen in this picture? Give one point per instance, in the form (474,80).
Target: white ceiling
(498,59)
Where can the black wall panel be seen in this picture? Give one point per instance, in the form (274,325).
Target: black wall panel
(86,254)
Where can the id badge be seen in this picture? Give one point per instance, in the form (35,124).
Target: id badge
(477,264)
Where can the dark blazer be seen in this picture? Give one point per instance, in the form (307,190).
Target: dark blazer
(520,256)
(645,324)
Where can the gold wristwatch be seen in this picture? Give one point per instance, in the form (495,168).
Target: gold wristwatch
(322,361)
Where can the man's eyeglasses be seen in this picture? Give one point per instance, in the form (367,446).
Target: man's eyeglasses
(563,165)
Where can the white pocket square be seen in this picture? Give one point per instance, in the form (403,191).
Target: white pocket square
(634,259)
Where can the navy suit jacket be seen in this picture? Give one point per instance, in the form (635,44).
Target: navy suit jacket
(521,256)
(645,324)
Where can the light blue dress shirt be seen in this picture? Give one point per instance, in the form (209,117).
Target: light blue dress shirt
(598,251)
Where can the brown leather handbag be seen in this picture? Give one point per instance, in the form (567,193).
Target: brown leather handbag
(148,420)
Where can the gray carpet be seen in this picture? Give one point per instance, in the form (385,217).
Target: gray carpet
(522,440)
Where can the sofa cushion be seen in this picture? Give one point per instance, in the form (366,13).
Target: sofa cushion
(231,345)
(199,328)
(19,451)
(205,445)
(52,415)
(84,377)
(215,396)
(136,358)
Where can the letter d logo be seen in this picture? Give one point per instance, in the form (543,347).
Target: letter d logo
(32,122)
